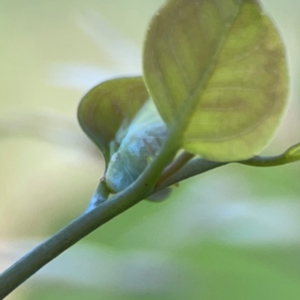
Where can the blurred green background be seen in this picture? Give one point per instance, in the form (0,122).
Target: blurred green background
(233,233)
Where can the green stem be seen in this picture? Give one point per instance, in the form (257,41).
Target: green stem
(270,161)
(292,154)
(198,166)
(194,167)
(86,223)
(65,238)
(175,166)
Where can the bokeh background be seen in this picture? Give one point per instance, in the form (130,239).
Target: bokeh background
(233,233)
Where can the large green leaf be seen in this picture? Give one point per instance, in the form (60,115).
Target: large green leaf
(217,73)
(108,106)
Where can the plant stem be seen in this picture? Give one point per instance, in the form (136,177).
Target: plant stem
(91,220)
(176,165)
(55,245)
(194,167)
(86,223)
(268,161)
(198,166)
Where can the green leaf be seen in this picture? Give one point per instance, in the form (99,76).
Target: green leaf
(217,73)
(108,106)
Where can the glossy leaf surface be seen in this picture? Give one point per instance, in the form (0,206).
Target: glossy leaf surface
(108,106)
(218,68)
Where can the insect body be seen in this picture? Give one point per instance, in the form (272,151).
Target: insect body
(136,147)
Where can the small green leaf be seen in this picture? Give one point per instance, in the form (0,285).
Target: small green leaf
(216,71)
(108,106)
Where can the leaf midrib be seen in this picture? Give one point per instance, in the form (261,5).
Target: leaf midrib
(200,87)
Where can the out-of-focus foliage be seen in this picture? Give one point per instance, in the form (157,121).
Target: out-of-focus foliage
(233,233)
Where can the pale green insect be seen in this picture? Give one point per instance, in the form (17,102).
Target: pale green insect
(135,147)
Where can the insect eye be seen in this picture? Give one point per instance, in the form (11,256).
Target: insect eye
(115,157)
